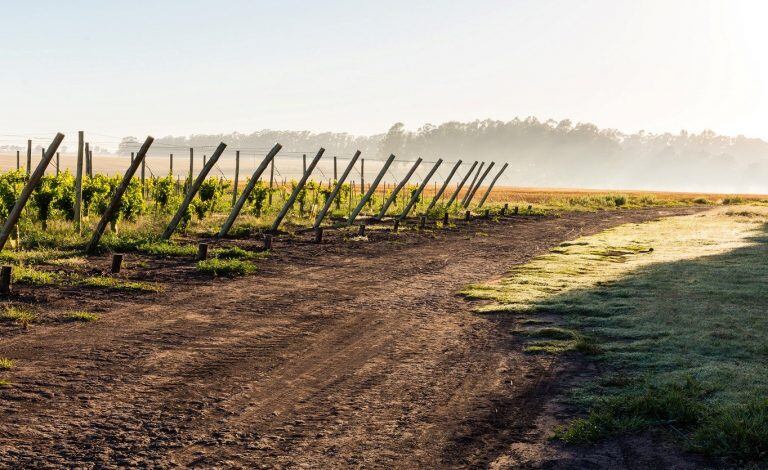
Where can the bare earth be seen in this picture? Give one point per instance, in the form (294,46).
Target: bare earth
(350,353)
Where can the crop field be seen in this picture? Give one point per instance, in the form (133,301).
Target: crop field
(150,320)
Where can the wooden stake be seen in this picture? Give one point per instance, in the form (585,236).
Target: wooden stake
(18,160)
(267,241)
(58,161)
(353,215)
(5,280)
(319,235)
(362,176)
(114,204)
(26,192)
(170,165)
(193,191)
(29,157)
(79,181)
(361,230)
(202,251)
(117,262)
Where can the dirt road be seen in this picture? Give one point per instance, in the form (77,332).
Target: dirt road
(345,354)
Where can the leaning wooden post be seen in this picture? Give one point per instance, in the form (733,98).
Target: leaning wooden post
(26,192)
(477,186)
(237,175)
(461,185)
(193,189)
(336,189)
(114,203)
(397,189)
(366,196)
(442,188)
(488,191)
(472,184)
(295,192)
(269,159)
(415,196)
(79,181)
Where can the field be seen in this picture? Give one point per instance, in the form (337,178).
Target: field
(286,354)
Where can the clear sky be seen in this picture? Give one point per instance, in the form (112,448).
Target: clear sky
(181,67)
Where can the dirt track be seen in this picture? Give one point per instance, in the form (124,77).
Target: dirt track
(345,354)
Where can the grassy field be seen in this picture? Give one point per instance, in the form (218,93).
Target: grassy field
(673,311)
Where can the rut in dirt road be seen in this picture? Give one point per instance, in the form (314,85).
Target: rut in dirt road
(353,353)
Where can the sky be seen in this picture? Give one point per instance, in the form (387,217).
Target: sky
(158,68)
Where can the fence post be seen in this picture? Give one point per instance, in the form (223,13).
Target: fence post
(415,196)
(79,181)
(117,262)
(191,163)
(86,156)
(472,184)
(58,161)
(193,191)
(477,186)
(271,181)
(482,201)
(439,193)
(26,192)
(29,157)
(303,163)
(295,192)
(5,280)
(336,189)
(114,204)
(202,251)
(366,196)
(237,176)
(362,176)
(269,159)
(461,185)
(18,160)
(335,174)
(170,165)
(318,235)
(397,189)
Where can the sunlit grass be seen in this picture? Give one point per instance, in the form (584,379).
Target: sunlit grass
(80,316)
(19,315)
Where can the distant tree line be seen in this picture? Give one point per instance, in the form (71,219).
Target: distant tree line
(542,153)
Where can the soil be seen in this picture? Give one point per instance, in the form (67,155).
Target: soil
(351,353)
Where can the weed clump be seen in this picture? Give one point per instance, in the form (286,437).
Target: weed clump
(227,267)
(19,315)
(80,316)
(5,363)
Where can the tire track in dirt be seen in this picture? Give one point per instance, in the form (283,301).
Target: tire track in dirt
(361,356)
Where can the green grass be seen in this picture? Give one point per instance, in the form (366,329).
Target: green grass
(5,363)
(229,267)
(19,315)
(80,316)
(34,277)
(166,248)
(680,329)
(118,284)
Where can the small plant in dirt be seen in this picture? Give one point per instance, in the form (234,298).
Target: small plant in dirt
(227,267)
(19,315)
(80,316)
(5,363)
(117,284)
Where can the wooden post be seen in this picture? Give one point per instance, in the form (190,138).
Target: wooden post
(87,157)
(396,225)
(114,204)
(268,241)
(504,209)
(397,189)
(318,235)
(202,251)
(269,159)
(5,280)
(461,185)
(29,157)
(517,210)
(303,163)
(471,195)
(170,165)
(336,189)
(361,230)
(468,216)
(117,262)
(442,188)
(423,222)
(26,192)
(132,156)
(488,191)
(237,176)
(472,184)
(295,192)
(271,181)
(487,214)
(204,159)
(193,189)
(335,174)
(362,176)
(415,195)
(445,218)
(79,181)
(191,163)
(58,164)
(353,215)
